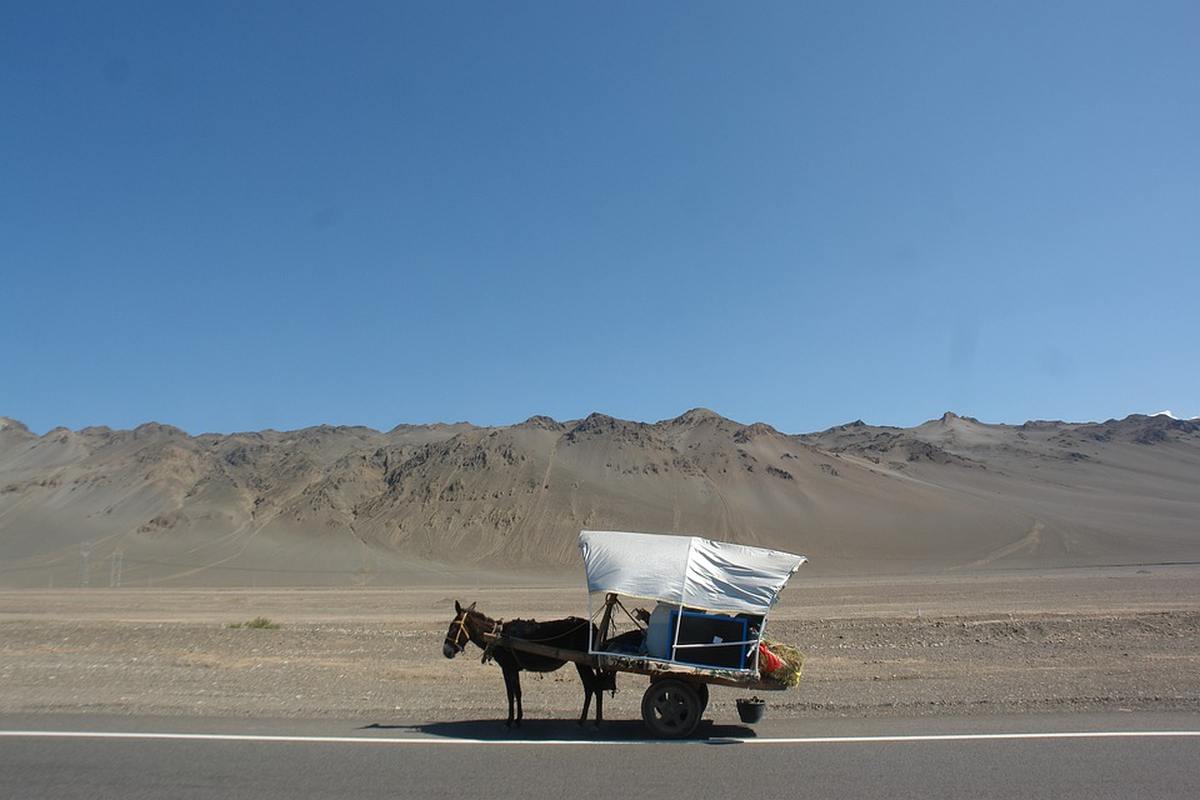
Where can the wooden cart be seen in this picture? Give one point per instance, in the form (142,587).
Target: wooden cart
(677,696)
(674,702)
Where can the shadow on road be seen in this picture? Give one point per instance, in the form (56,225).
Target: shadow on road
(558,729)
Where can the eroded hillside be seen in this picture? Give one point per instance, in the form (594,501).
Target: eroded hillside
(336,505)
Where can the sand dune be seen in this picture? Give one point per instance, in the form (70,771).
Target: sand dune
(418,504)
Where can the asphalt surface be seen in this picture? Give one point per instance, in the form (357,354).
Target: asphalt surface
(1100,756)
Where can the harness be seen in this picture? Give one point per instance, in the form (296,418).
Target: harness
(493,636)
(516,654)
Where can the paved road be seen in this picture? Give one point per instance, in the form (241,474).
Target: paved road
(135,758)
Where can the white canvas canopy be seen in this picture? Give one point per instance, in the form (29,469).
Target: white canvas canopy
(686,570)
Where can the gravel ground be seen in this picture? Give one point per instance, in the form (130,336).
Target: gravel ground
(1067,646)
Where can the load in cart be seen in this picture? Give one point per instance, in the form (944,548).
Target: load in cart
(688,612)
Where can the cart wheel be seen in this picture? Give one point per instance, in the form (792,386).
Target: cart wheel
(671,708)
(702,692)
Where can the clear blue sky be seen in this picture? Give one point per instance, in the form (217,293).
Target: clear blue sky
(235,216)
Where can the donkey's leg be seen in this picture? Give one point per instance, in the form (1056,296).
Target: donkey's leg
(599,699)
(586,677)
(517,689)
(509,675)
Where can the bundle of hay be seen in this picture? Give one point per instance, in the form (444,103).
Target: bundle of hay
(793,663)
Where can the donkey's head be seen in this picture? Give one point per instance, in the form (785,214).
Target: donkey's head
(458,635)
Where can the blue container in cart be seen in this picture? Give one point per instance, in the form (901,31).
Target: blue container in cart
(723,639)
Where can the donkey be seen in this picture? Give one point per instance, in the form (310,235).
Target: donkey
(570,634)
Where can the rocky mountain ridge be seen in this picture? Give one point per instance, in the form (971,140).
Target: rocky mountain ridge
(362,504)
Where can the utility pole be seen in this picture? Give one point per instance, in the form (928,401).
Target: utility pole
(85,555)
(114,572)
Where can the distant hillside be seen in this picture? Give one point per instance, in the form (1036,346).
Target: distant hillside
(336,505)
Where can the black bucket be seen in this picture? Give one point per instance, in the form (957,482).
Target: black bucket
(751,709)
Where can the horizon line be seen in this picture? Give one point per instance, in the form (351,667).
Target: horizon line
(5,420)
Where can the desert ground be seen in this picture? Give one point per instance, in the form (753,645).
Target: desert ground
(1094,639)
(957,567)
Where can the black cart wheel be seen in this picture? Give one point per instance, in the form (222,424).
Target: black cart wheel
(702,692)
(671,709)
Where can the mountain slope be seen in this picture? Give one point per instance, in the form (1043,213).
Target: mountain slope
(333,505)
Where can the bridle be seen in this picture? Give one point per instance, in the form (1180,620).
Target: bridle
(461,622)
(465,635)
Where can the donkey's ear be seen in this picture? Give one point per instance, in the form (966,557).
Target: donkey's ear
(457,608)
(471,607)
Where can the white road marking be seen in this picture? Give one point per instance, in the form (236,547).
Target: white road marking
(966,737)
(438,740)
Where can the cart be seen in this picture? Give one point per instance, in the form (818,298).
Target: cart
(705,592)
